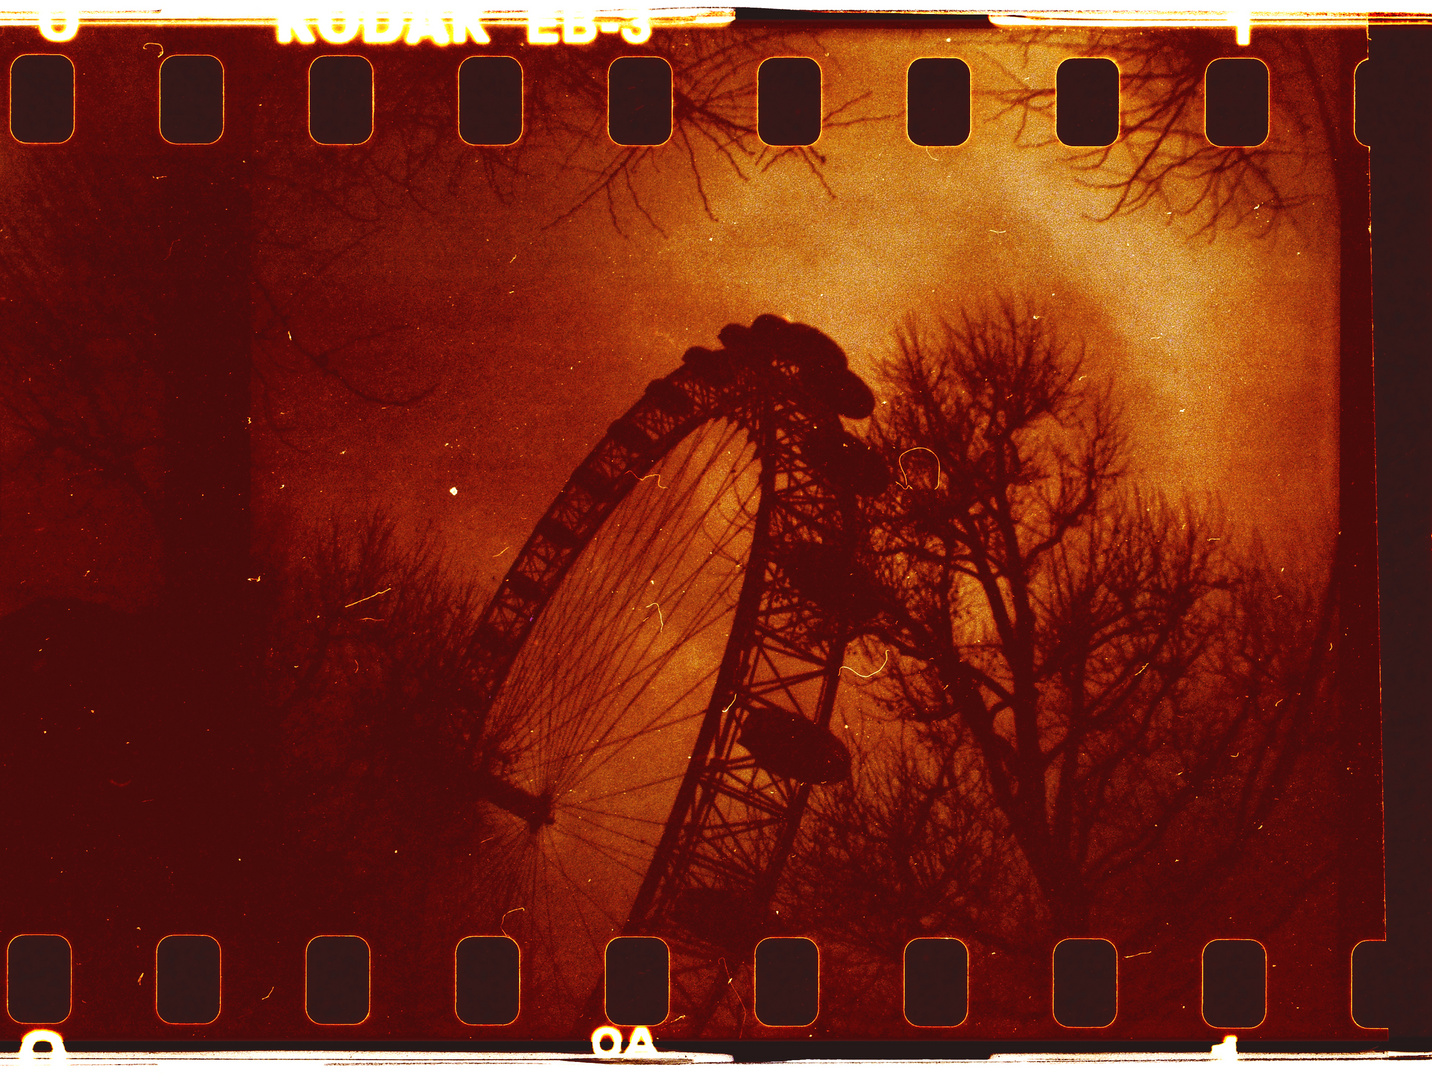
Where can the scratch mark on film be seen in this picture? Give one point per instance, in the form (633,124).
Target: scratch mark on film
(905,480)
(365,599)
(877,671)
(502,924)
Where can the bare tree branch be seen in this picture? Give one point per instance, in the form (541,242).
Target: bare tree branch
(1162,158)
(1085,674)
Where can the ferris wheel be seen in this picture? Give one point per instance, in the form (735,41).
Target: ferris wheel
(654,679)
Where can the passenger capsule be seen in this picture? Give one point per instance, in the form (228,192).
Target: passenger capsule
(790,746)
(828,577)
(843,390)
(710,365)
(797,343)
(847,461)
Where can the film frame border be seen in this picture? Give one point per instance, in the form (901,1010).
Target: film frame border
(1399,421)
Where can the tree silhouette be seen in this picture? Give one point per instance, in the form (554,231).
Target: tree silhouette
(365,661)
(1310,175)
(321,209)
(415,153)
(1082,677)
(1162,158)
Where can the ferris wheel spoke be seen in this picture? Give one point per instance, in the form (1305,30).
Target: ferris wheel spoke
(592,901)
(615,747)
(587,808)
(628,688)
(595,733)
(622,571)
(589,805)
(620,875)
(633,839)
(661,722)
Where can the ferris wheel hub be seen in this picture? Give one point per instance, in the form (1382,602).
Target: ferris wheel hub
(536,810)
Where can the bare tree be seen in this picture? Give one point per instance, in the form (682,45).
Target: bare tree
(415,153)
(365,666)
(1162,158)
(1081,675)
(321,209)
(1311,174)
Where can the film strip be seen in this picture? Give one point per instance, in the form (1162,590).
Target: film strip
(692,531)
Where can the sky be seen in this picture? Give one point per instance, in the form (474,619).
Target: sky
(533,328)
(535,335)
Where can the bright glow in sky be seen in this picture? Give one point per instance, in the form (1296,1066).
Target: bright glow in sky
(538,334)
